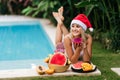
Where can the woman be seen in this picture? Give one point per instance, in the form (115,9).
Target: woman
(75,51)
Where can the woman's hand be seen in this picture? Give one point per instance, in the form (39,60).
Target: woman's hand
(80,46)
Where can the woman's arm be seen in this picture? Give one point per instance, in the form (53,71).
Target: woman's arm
(88,49)
(89,45)
(73,56)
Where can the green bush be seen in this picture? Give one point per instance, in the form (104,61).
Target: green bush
(105,17)
(110,40)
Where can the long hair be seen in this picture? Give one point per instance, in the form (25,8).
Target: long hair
(83,35)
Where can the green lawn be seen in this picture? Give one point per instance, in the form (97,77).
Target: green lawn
(104,60)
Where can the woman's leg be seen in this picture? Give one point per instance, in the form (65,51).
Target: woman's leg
(58,38)
(61,29)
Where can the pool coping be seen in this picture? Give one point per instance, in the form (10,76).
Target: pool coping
(50,29)
(18,73)
(116,70)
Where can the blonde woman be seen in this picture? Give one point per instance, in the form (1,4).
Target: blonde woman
(65,39)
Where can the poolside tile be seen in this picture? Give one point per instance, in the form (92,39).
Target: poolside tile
(17,73)
(70,73)
(116,70)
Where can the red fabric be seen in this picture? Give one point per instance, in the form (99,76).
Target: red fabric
(84,19)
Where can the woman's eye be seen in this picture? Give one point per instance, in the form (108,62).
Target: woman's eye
(78,26)
(72,25)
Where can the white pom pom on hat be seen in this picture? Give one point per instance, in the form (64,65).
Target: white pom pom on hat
(91,29)
(83,21)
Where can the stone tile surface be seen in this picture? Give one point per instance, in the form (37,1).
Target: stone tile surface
(17,73)
(116,70)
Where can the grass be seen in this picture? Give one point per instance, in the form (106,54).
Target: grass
(104,60)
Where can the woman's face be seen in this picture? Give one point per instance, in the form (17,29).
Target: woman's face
(76,30)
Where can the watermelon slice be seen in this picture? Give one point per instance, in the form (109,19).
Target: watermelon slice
(58,58)
(77,65)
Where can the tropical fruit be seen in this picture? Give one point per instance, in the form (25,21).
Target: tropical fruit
(49,71)
(40,70)
(77,40)
(87,67)
(83,67)
(58,59)
(46,59)
(77,65)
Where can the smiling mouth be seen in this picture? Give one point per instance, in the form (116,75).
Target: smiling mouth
(75,31)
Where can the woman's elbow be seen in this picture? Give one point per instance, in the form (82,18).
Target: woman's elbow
(73,61)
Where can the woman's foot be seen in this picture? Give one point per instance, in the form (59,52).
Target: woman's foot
(57,17)
(60,12)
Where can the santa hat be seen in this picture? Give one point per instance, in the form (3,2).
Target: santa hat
(83,21)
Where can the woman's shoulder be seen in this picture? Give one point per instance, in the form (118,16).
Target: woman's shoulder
(89,37)
(67,37)
(67,40)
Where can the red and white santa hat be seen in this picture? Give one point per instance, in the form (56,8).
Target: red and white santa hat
(83,21)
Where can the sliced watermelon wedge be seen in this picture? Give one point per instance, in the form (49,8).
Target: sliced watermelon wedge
(58,58)
(77,65)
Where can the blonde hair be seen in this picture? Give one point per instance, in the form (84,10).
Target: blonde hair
(83,35)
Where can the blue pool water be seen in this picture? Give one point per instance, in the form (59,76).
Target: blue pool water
(23,44)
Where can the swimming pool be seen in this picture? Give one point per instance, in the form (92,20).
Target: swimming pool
(23,44)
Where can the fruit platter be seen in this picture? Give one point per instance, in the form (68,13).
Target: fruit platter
(57,63)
